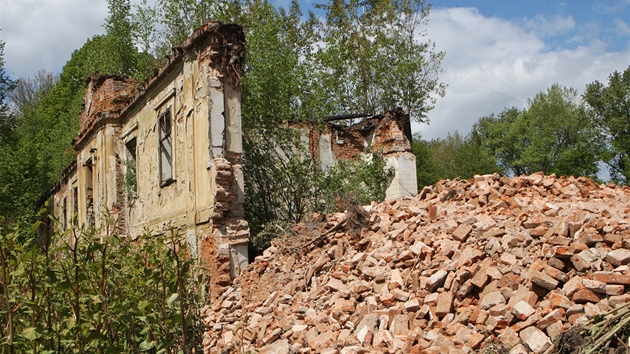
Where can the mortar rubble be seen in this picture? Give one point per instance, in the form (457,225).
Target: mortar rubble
(464,265)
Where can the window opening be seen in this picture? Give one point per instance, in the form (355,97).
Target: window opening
(64,214)
(166,148)
(130,183)
(89,192)
(75,210)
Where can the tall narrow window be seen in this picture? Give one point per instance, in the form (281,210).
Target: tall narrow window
(166,148)
(89,192)
(75,205)
(130,178)
(64,213)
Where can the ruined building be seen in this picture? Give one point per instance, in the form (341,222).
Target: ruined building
(167,156)
(388,134)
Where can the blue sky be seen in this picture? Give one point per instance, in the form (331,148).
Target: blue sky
(563,25)
(499,53)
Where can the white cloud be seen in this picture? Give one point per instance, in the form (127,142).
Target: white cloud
(43,34)
(550,26)
(621,27)
(493,63)
(610,7)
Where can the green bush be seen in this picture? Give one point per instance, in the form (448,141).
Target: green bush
(94,291)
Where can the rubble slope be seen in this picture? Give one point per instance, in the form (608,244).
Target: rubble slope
(491,262)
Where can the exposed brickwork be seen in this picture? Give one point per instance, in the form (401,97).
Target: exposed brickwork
(228,224)
(389,136)
(218,266)
(347,142)
(313,141)
(106,97)
(387,133)
(224,203)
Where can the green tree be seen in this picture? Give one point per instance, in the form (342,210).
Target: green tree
(123,54)
(561,134)
(21,178)
(178,18)
(553,134)
(452,157)
(8,139)
(499,139)
(46,112)
(372,58)
(428,169)
(609,108)
(462,157)
(6,86)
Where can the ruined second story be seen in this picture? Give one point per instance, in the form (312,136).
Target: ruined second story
(388,134)
(167,155)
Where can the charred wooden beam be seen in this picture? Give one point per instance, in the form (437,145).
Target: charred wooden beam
(346,116)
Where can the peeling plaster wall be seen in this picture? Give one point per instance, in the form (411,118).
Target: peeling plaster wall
(203,201)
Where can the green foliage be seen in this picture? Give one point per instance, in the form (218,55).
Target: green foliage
(609,108)
(372,59)
(276,84)
(450,158)
(286,184)
(428,169)
(122,53)
(97,292)
(461,157)
(280,178)
(364,180)
(553,135)
(130,180)
(15,168)
(6,86)
(47,111)
(181,17)
(499,139)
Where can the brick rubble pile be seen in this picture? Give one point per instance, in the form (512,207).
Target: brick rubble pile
(492,262)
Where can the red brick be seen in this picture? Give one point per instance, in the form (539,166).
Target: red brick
(461,232)
(444,304)
(612,278)
(552,317)
(584,296)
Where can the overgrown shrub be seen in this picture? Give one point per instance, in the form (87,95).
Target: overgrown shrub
(285,184)
(94,291)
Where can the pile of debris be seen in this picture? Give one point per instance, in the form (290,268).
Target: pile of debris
(492,263)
